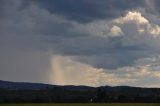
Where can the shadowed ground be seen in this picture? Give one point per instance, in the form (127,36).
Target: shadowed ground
(96,104)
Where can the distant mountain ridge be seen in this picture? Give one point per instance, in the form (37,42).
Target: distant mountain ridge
(23,85)
(34,86)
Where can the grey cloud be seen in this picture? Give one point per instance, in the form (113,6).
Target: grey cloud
(157,8)
(38,29)
(88,10)
(37,26)
(114,59)
(102,53)
(152,6)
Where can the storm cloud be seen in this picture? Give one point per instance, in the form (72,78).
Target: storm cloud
(110,38)
(89,10)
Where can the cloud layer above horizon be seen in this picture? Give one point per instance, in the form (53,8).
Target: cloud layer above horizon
(85,42)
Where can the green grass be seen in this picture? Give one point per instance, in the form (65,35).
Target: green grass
(87,104)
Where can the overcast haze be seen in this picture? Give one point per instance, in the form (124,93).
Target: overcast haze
(81,42)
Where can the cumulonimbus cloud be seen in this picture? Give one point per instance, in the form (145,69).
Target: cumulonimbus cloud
(103,47)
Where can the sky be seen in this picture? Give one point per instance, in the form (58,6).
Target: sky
(80,42)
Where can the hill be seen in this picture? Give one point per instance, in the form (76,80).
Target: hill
(13,92)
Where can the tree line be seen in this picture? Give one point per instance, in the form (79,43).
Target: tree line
(96,95)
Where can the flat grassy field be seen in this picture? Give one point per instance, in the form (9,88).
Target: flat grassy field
(87,104)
